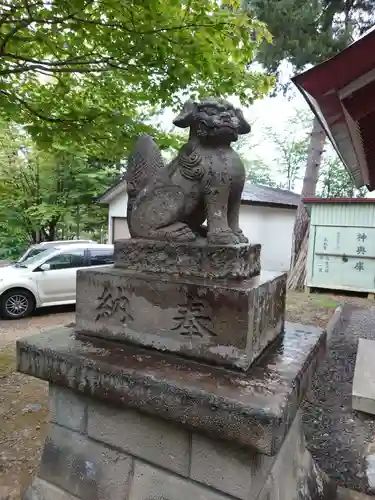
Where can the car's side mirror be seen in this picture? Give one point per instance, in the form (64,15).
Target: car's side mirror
(45,267)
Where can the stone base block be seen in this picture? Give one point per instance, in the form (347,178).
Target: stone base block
(254,409)
(224,322)
(125,455)
(44,490)
(195,259)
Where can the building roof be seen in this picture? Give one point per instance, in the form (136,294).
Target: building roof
(265,195)
(253,194)
(341,93)
(335,201)
(112,192)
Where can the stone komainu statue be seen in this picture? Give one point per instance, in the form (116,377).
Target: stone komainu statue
(203,183)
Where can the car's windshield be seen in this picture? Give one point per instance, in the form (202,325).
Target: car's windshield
(35,259)
(31,253)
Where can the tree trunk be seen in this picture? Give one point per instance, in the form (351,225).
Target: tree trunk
(301,225)
(78,221)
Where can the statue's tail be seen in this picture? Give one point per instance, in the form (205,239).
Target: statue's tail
(143,163)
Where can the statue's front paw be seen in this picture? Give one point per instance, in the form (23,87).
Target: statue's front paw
(222,237)
(241,237)
(179,232)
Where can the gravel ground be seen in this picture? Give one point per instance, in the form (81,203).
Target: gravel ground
(23,404)
(49,317)
(338,437)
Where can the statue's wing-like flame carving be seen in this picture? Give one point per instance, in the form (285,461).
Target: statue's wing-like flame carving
(143,163)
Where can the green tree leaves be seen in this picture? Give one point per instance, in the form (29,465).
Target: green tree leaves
(88,73)
(307,33)
(42,192)
(335,182)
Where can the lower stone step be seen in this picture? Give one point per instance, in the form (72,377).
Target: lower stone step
(253,409)
(124,455)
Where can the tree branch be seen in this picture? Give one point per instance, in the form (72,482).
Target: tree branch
(50,72)
(9,35)
(49,68)
(121,26)
(63,62)
(39,115)
(153,31)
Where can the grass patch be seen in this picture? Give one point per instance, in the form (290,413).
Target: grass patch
(310,309)
(325,302)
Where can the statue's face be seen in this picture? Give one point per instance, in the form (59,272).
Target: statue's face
(216,120)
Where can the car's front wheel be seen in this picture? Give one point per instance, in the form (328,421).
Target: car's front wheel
(16,303)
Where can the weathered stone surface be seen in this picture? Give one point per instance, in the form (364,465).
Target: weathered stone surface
(194,259)
(153,439)
(150,483)
(252,409)
(204,182)
(290,475)
(190,317)
(294,474)
(240,472)
(363,396)
(89,470)
(42,490)
(245,474)
(347,494)
(67,408)
(218,471)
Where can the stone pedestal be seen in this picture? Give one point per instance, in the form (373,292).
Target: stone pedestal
(173,386)
(134,424)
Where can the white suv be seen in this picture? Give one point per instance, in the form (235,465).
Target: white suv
(48,278)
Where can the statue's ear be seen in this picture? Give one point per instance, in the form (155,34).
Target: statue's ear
(244,127)
(185,118)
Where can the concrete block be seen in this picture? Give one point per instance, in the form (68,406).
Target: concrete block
(83,468)
(285,468)
(188,316)
(245,474)
(150,483)
(67,408)
(363,395)
(42,490)
(155,440)
(294,474)
(238,471)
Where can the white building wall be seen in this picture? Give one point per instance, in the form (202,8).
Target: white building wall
(117,208)
(271,227)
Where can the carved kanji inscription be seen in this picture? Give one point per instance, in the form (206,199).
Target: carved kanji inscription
(111,301)
(191,319)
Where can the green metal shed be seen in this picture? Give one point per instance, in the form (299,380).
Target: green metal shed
(341,253)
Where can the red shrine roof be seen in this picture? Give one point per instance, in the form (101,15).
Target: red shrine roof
(341,93)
